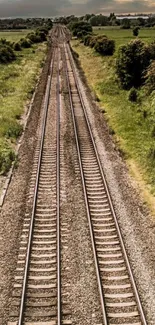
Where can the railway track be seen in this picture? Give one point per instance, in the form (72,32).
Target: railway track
(37,288)
(118,293)
(38,297)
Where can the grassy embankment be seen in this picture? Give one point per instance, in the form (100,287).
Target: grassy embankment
(130,123)
(17,83)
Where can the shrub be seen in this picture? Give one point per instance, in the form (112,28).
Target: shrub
(132,61)
(105,46)
(150,77)
(136,31)
(42,36)
(14,131)
(80,27)
(7,156)
(92,41)
(43,29)
(151,49)
(6,54)
(17,47)
(87,39)
(25,43)
(3,41)
(133,95)
(33,38)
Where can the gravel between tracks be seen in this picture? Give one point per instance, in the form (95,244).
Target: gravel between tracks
(137,224)
(77,263)
(11,216)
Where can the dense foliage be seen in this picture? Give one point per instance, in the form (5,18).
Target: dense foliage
(7,48)
(6,53)
(80,28)
(105,46)
(21,23)
(133,95)
(136,31)
(101,43)
(150,77)
(132,61)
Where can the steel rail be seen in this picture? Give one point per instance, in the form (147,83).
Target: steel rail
(139,305)
(46,104)
(58,199)
(87,204)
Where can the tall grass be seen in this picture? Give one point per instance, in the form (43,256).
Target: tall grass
(17,82)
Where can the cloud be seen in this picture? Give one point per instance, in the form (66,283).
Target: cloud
(32,8)
(37,8)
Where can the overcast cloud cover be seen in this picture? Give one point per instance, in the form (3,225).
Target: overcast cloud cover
(37,8)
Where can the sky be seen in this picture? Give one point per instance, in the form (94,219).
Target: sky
(49,8)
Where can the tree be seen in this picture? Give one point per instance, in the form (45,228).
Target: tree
(126,23)
(132,61)
(6,53)
(80,28)
(105,46)
(136,31)
(99,20)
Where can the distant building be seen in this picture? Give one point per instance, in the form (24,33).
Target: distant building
(132,17)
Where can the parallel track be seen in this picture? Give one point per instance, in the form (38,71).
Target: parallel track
(118,293)
(37,295)
(38,275)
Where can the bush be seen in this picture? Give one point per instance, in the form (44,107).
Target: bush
(151,49)
(87,39)
(3,41)
(7,156)
(136,31)
(17,47)
(42,29)
(6,54)
(94,39)
(133,95)
(14,131)
(150,77)
(42,36)
(132,61)
(105,46)
(25,43)
(80,28)
(33,38)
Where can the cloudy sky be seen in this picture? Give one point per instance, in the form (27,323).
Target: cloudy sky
(31,8)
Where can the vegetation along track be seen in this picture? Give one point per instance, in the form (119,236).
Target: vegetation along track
(118,293)
(37,294)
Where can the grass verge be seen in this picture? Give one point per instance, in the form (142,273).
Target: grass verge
(17,83)
(132,124)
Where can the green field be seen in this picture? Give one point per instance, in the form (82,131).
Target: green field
(14,36)
(132,124)
(122,36)
(17,83)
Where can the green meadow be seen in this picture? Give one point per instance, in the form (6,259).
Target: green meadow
(131,124)
(17,83)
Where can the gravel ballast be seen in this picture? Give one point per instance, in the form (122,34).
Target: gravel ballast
(13,210)
(136,223)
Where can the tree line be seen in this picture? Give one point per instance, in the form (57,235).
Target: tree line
(8,49)
(111,20)
(135,61)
